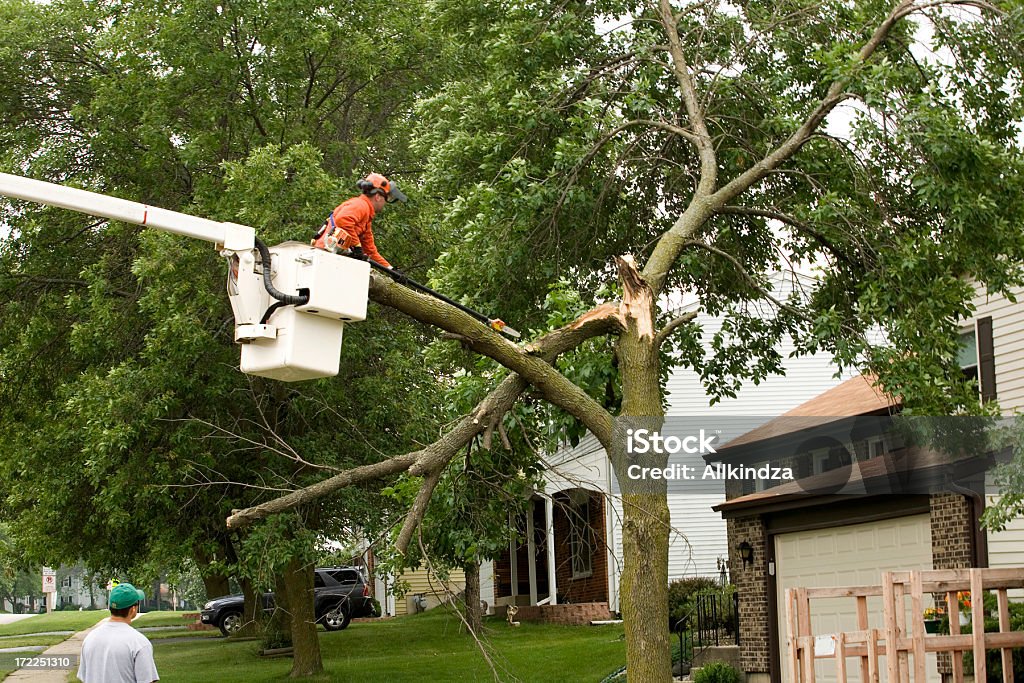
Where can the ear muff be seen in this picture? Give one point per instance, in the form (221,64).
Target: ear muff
(365,186)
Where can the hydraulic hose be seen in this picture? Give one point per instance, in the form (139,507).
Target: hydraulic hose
(286,299)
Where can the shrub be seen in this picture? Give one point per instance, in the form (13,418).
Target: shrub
(716,672)
(682,593)
(993,658)
(683,599)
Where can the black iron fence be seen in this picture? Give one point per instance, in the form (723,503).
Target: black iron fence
(712,621)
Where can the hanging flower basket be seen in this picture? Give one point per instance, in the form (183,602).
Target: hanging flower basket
(932,625)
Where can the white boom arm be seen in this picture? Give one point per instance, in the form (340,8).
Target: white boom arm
(285,340)
(231,236)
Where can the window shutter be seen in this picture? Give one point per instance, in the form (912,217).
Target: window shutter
(986,359)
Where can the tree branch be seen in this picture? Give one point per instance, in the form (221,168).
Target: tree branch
(417,511)
(789,220)
(671,326)
(596,322)
(705,147)
(765,294)
(35,279)
(832,98)
(553,385)
(703,207)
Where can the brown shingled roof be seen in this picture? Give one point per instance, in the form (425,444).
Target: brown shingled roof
(856,396)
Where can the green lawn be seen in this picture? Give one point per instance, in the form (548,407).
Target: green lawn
(25,641)
(422,647)
(181,633)
(55,621)
(162,619)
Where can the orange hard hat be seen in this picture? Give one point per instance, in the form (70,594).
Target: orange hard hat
(375,183)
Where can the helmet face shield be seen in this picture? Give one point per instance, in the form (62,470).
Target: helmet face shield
(375,183)
(396,195)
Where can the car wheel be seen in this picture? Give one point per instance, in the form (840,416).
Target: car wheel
(337,619)
(230,623)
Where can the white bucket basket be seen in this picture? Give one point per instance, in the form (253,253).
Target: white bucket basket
(304,342)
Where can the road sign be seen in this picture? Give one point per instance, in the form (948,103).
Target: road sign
(49,580)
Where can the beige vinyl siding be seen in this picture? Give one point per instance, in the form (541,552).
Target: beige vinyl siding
(1008,345)
(421,581)
(1006,547)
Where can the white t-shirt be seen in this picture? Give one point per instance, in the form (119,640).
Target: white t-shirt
(114,652)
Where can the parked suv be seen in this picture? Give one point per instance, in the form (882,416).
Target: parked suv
(340,593)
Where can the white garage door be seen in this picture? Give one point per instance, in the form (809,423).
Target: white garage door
(853,555)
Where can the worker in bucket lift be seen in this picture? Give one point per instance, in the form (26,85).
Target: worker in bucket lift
(349,228)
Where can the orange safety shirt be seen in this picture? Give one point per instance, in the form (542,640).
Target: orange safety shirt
(353,227)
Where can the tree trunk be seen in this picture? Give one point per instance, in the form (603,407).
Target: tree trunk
(298,580)
(277,630)
(643,585)
(474,613)
(253,618)
(215,583)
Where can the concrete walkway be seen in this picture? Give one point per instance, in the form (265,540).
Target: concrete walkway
(11,618)
(71,646)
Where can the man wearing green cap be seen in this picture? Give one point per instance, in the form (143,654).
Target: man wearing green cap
(114,652)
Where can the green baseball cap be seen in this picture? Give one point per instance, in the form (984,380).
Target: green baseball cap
(125,595)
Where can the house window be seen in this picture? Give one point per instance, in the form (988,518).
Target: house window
(580,546)
(876,448)
(820,461)
(977,357)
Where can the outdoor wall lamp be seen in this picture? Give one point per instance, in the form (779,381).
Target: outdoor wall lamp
(746,552)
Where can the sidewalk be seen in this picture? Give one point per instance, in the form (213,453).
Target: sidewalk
(71,646)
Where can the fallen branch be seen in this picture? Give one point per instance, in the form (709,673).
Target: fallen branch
(432,459)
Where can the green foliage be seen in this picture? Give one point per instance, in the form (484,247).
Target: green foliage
(1009,476)
(682,593)
(118,379)
(717,672)
(993,658)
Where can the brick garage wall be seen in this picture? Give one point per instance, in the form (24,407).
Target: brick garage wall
(593,588)
(570,615)
(752,586)
(952,531)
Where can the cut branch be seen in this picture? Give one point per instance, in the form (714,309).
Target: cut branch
(356,475)
(552,384)
(638,298)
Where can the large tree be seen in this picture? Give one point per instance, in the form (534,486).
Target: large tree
(704,140)
(876,142)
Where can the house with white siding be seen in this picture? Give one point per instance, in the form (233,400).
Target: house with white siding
(573,546)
